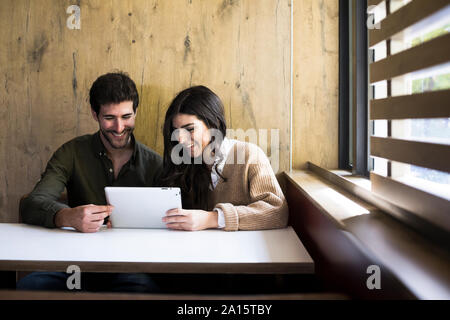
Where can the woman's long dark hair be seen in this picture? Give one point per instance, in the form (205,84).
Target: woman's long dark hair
(193,179)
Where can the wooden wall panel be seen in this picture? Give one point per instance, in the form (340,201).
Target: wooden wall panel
(316,83)
(240,49)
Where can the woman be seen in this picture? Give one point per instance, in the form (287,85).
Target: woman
(225,183)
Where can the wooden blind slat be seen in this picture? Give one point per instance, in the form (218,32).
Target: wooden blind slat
(417,106)
(426,55)
(424,204)
(374,2)
(406,16)
(428,155)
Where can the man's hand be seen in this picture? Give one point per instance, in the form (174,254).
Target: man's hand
(88,218)
(191,220)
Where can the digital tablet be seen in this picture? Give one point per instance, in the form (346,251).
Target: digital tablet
(141,207)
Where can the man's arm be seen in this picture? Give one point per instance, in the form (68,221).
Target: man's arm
(41,205)
(87,218)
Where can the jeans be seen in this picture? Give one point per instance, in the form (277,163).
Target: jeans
(94,282)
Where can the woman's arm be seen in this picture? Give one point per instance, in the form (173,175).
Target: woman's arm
(192,220)
(267,208)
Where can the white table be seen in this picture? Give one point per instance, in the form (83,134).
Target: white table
(31,248)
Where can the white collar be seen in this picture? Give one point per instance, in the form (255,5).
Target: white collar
(224,150)
(220,161)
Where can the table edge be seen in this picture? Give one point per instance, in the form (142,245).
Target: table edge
(160,267)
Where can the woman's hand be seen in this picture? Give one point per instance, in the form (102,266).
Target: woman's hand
(192,220)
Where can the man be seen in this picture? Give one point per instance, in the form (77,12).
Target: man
(84,166)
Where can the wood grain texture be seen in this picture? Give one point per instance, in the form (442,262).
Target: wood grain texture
(425,55)
(316,83)
(432,104)
(403,18)
(424,154)
(240,49)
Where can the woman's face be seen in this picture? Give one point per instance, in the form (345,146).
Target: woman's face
(195,136)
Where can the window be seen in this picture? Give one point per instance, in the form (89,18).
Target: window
(431,79)
(408,103)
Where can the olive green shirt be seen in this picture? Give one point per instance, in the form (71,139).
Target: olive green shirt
(83,167)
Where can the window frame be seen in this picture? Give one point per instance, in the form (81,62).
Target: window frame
(353,88)
(344,85)
(354,15)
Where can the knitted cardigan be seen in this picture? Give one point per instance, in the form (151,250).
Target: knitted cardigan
(251,198)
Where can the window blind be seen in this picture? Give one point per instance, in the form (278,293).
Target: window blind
(403,57)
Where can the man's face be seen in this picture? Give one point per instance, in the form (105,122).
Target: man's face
(116,122)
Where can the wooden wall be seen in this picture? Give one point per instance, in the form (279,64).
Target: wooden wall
(240,49)
(316,83)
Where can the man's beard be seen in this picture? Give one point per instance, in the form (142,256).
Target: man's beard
(127,136)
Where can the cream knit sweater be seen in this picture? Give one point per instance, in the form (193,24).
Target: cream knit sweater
(251,198)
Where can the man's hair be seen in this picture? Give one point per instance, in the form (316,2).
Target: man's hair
(113,88)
